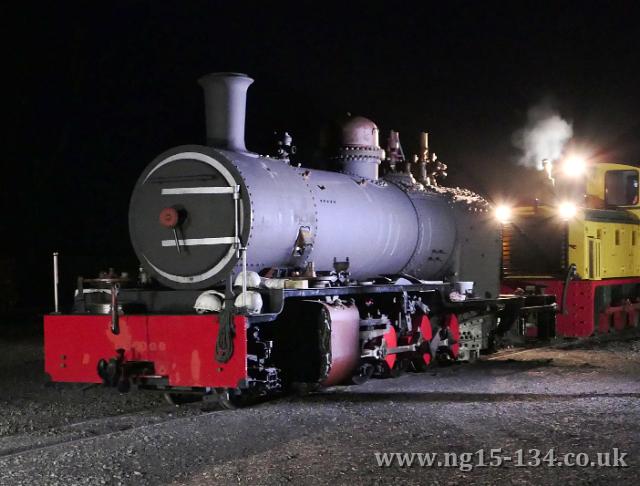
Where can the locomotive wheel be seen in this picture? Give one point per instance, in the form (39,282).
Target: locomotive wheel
(399,368)
(363,373)
(391,341)
(422,362)
(181,398)
(422,359)
(384,371)
(229,399)
(445,357)
(303,389)
(419,365)
(426,356)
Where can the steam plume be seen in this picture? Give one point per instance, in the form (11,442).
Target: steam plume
(544,136)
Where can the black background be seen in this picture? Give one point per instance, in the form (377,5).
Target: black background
(94,92)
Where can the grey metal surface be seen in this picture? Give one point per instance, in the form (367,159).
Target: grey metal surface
(373,224)
(479,250)
(437,236)
(281,204)
(377,225)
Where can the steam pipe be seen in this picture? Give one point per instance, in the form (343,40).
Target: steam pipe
(225,100)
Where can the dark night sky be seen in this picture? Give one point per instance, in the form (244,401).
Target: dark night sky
(95,93)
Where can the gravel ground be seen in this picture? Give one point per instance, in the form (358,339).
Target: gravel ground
(576,397)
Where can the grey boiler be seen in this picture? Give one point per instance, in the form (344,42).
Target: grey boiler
(195,206)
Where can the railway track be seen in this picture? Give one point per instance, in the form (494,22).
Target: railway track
(48,437)
(79,432)
(300,439)
(567,344)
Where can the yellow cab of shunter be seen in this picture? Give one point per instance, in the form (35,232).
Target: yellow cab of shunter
(603,237)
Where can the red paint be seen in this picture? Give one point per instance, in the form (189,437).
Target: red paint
(182,347)
(427,334)
(451,321)
(578,319)
(632,314)
(169,218)
(624,316)
(345,342)
(421,326)
(619,320)
(531,332)
(603,323)
(391,339)
(507,288)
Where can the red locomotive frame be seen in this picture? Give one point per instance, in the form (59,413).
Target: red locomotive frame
(579,318)
(74,344)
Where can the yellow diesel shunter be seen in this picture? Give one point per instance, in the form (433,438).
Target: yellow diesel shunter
(583,247)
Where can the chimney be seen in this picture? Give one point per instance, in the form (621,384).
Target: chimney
(225,102)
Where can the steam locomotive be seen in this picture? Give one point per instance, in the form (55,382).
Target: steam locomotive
(258,275)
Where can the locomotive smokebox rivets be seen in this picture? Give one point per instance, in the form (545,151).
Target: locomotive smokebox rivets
(169,218)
